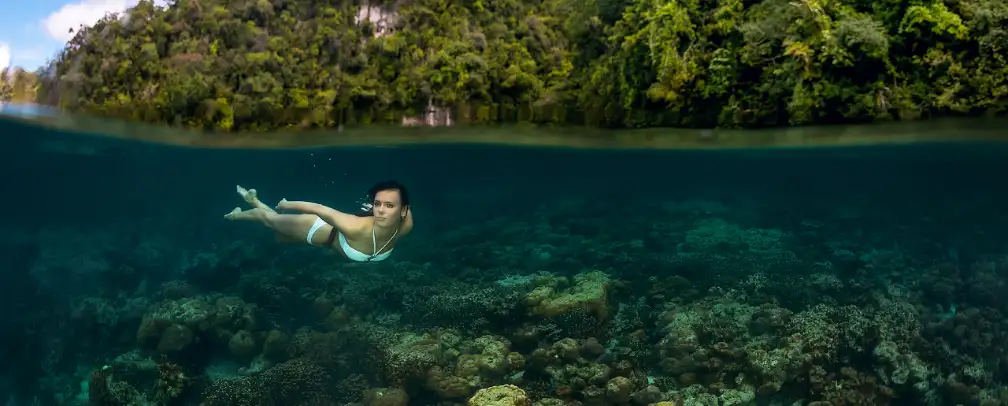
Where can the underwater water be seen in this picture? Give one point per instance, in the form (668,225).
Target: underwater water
(865,275)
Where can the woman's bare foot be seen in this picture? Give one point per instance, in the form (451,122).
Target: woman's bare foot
(234,213)
(252,197)
(257,213)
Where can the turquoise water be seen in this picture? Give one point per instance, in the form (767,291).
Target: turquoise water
(871,274)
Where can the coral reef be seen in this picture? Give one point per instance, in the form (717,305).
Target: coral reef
(728,314)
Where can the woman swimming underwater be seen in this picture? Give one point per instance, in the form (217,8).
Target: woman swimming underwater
(358,235)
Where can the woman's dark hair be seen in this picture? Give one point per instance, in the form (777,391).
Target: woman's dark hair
(383,186)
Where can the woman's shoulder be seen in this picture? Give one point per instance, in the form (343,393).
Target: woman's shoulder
(359,227)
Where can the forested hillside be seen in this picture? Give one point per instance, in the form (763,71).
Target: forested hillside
(266,64)
(17,85)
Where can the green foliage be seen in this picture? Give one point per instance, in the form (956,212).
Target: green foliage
(17,85)
(254,65)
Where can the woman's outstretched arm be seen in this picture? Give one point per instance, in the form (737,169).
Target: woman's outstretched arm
(345,223)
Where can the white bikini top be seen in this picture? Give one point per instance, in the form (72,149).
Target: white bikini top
(358,256)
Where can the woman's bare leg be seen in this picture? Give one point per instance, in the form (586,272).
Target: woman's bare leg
(252,197)
(288,227)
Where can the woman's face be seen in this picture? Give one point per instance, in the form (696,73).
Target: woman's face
(387,208)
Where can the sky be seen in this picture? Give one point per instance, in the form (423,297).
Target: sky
(33,31)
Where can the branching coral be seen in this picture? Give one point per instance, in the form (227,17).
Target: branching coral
(171,381)
(133,380)
(459,305)
(295,382)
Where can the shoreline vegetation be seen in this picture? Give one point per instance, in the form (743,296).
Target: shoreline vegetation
(17,120)
(267,65)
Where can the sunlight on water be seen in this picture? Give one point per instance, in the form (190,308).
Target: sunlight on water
(630,268)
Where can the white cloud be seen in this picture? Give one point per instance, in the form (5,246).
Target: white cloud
(5,56)
(85,12)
